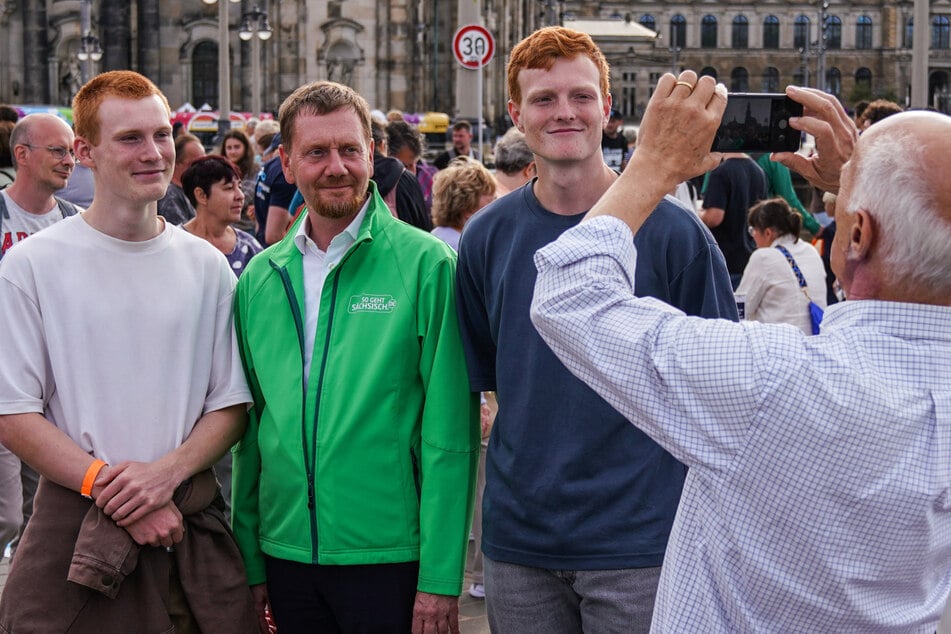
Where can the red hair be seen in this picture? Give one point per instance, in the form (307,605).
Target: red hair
(545,46)
(124,84)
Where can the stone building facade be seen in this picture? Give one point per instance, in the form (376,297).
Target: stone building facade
(397,53)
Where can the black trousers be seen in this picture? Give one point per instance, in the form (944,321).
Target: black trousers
(311,598)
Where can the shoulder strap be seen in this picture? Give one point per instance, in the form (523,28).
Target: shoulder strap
(795,267)
(3,212)
(66,208)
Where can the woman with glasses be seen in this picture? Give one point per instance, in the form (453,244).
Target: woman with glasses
(770,285)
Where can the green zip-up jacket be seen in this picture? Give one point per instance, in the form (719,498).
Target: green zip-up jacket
(374,459)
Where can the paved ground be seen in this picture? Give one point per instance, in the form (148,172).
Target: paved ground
(471,611)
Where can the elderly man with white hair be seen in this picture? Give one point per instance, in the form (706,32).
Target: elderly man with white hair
(818,497)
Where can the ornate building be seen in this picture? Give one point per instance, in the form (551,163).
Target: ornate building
(856,49)
(398,53)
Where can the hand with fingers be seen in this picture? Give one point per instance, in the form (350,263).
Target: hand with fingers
(835,133)
(129,491)
(673,145)
(162,527)
(435,614)
(679,125)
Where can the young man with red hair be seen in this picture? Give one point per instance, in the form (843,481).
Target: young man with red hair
(121,384)
(578,502)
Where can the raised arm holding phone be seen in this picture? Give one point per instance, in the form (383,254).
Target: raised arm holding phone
(816,493)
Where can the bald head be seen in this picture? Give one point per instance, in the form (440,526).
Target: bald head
(33,129)
(897,178)
(927,139)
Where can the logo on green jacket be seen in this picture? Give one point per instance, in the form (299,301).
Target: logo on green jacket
(372,304)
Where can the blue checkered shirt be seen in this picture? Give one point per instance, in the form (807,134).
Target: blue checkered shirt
(819,492)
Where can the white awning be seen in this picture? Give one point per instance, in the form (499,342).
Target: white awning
(612,29)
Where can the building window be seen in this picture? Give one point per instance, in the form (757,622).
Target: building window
(628,105)
(709,70)
(801,32)
(740,80)
(940,27)
(863,32)
(678,31)
(799,77)
(648,22)
(834,82)
(205,74)
(708,32)
(770,80)
(833,32)
(741,32)
(909,37)
(863,81)
(771,32)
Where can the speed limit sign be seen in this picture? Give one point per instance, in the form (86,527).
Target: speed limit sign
(473,46)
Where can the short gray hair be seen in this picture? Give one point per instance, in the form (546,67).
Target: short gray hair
(512,153)
(891,184)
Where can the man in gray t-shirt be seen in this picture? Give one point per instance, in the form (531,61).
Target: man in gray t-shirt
(42,149)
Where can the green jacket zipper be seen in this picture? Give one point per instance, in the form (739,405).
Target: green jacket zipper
(309,458)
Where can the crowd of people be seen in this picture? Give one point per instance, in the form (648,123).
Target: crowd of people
(277,385)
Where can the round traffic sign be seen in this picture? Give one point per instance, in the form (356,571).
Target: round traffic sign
(473,46)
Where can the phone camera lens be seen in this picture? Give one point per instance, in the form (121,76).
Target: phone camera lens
(782,124)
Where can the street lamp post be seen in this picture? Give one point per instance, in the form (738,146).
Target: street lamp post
(89,48)
(224,68)
(254,23)
(822,38)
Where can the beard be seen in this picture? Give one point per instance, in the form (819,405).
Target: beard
(340,208)
(337,209)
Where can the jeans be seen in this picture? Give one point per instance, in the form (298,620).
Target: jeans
(521,599)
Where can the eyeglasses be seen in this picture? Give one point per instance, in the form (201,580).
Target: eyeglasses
(59,152)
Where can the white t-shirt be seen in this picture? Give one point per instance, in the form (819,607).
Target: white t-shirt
(20,223)
(771,289)
(122,345)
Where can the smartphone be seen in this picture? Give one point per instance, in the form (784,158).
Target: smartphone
(758,122)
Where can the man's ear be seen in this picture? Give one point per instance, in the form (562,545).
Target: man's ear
(82,149)
(515,114)
(286,164)
(861,235)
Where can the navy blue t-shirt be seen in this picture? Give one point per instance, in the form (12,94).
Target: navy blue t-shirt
(271,189)
(570,483)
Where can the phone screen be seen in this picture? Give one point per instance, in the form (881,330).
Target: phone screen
(758,123)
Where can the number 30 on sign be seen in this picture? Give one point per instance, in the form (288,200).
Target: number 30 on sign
(473,46)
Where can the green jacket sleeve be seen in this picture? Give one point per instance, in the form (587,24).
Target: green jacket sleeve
(246,466)
(449,451)
(780,184)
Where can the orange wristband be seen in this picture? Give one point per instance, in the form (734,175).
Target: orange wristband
(90,478)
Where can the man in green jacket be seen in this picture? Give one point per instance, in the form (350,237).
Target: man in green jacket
(354,481)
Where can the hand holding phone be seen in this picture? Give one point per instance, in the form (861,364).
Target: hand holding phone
(758,122)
